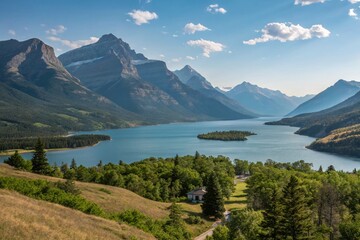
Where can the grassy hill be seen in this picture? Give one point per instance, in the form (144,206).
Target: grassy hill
(342,141)
(111,199)
(26,218)
(114,200)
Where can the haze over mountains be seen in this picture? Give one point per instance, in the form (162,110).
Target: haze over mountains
(264,101)
(331,96)
(196,81)
(109,85)
(111,68)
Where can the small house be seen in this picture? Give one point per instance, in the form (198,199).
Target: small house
(196,195)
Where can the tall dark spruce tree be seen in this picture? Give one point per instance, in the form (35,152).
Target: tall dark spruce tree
(213,199)
(296,220)
(272,217)
(39,161)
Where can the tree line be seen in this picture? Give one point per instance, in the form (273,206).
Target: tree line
(74,141)
(292,201)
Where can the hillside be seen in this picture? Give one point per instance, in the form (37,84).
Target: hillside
(146,87)
(321,123)
(264,101)
(119,200)
(26,218)
(345,141)
(328,98)
(38,95)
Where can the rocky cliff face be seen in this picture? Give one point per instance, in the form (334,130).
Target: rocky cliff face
(36,89)
(111,68)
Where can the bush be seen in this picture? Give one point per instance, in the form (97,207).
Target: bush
(44,190)
(194,220)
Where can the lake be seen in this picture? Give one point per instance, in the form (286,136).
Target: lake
(278,143)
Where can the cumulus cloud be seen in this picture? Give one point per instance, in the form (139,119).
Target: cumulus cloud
(207,46)
(215,8)
(73,44)
(57,30)
(352,13)
(190,58)
(12,32)
(354,1)
(284,32)
(191,28)
(141,17)
(308,2)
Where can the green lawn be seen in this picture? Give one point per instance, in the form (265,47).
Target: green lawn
(238,198)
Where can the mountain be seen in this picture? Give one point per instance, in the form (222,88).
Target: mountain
(331,96)
(146,87)
(38,95)
(264,101)
(337,128)
(196,81)
(320,124)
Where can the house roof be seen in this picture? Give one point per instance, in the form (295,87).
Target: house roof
(198,191)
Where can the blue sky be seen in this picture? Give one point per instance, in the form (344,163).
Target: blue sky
(296,46)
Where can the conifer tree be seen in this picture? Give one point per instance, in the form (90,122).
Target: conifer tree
(296,222)
(272,217)
(39,161)
(73,164)
(175,215)
(213,199)
(17,161)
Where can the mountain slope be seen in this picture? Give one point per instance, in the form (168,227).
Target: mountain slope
(38,95)
(330,97)
(321,123)
(196,81)
(344,141)
(264,101)
(110,67)
(26,218)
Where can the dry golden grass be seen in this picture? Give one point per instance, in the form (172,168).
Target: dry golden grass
(118,200)
(26,218)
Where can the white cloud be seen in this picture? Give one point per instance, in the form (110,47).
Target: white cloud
(284,32)
(308,2)
(207,46)
(176,59)
(175,35)
(57,30)
(354,1)
(191,28)
(190,58)
(73,44)
(162,55)
(214,8)
(141,17)
(11,32)
(352,13)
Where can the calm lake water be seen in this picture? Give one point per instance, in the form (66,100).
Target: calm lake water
(278,143)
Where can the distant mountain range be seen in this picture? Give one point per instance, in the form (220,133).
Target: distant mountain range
(38,95)
(196,81)
(146,87)
(109,85)
(264,101)
(331,96)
